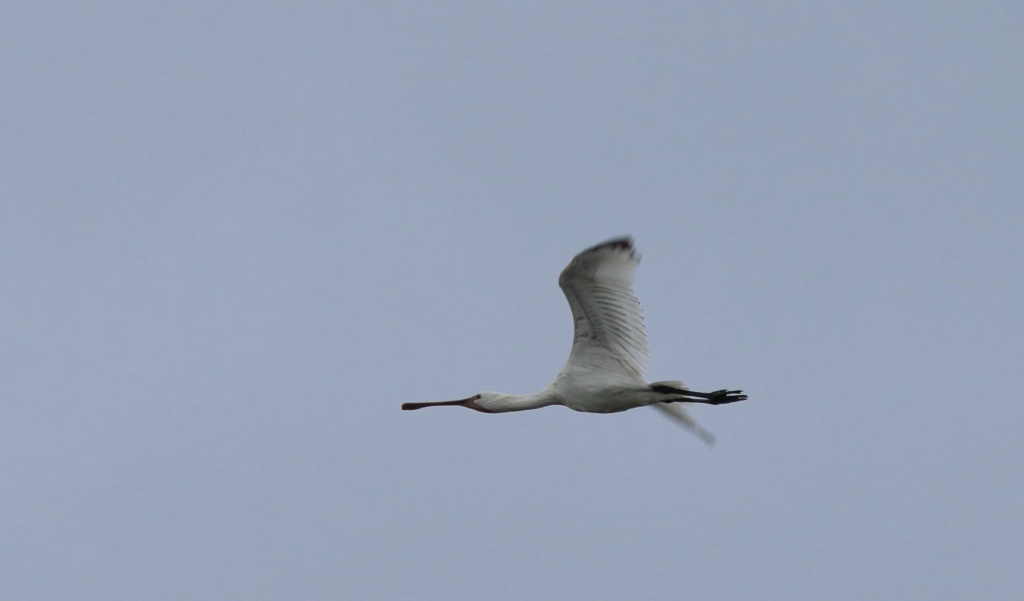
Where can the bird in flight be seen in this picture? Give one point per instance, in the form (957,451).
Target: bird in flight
(605,370)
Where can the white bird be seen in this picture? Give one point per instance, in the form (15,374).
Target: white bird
(605,370)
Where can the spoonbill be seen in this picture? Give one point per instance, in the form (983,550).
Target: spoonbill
(605,370)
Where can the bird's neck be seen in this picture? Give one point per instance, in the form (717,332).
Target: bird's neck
(502,403)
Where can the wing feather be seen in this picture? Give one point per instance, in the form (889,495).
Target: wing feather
(609,323)
(679,415)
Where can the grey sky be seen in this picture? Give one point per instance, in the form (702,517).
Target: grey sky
(237,236)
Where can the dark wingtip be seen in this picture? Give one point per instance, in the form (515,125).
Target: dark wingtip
(411,406)
(625,242)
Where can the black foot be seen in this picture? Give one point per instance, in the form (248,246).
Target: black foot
(721,397)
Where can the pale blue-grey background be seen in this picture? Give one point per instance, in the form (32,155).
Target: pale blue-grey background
(236,236)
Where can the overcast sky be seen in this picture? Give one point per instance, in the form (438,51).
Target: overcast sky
(236,236)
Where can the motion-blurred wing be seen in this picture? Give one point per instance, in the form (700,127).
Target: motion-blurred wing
(681,417)
(609,324)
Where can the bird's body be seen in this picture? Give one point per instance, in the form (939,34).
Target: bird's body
(605,370)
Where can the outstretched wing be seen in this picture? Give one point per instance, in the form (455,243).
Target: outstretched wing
(609,324)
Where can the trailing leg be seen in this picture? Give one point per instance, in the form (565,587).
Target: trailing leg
(718,397)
